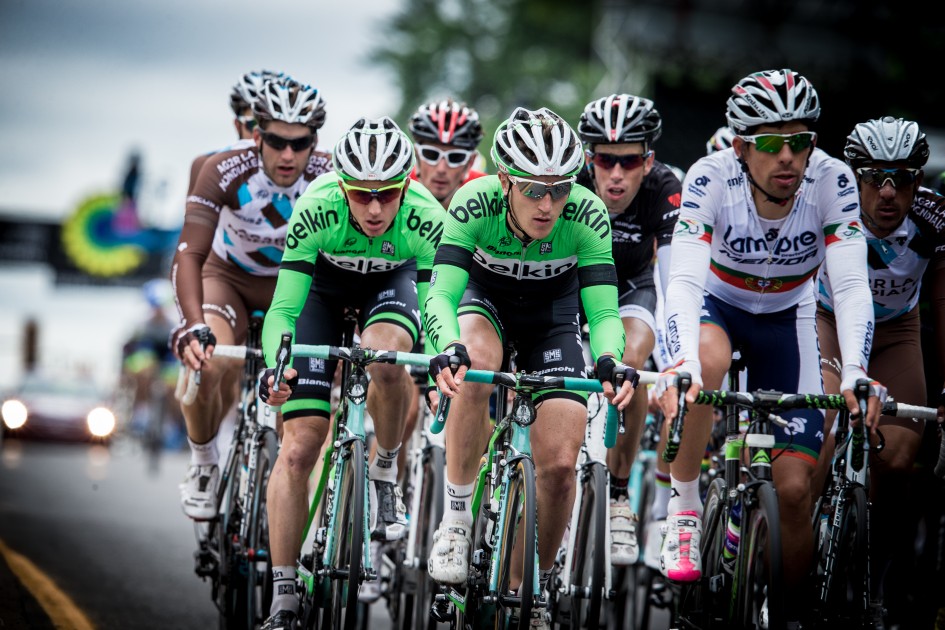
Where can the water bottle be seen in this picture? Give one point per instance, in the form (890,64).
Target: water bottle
(733,534)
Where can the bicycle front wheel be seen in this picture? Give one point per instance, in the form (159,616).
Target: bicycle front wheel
(519,526)
(847,592)
(761,589)
(417,600)
(259,594)
(586,582)
(232,596)
(348,540)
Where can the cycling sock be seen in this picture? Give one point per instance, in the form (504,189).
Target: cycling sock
(685,497)
(283,590)
(618,487)
(384,466)
(203,454)
(661,497)
(543,576)
(458,503)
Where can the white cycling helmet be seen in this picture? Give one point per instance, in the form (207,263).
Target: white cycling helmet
(285,99)
(771,97)
(720,140)
(537,143)
(886,139)
(620,118)
(247,89)
(373,150)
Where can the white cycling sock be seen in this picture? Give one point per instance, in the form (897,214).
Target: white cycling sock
(384,466)
(661,497)
(203,454)
(458,503)
(283,590)
(685,497)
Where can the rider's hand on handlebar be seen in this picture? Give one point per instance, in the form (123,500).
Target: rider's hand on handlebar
(195,345)
(277,397)
(667,386)
(449,367)
(607,370)
(874,404)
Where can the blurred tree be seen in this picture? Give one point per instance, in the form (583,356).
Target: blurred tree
(495,55)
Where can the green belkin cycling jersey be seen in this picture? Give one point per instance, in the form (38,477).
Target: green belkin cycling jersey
(320,229)
(479,245)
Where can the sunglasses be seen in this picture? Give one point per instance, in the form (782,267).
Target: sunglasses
(879,176)
(607,161)
(454,157)
(537,190)
(364,196)
(279,143)
(247,121)
(774,142)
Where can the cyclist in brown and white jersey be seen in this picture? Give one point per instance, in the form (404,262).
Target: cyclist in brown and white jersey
(229,253)
(242,97)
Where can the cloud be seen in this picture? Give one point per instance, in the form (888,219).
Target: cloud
(89,81)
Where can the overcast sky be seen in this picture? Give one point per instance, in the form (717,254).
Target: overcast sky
(85,82)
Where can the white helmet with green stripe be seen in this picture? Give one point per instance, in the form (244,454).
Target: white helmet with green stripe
(373,150)
(537,143)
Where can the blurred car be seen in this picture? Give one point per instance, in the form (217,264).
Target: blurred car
(56,409)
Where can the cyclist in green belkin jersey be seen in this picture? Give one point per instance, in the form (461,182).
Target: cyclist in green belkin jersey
(362,237)
(519,247)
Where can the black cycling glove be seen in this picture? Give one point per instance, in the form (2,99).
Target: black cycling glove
(608,368)
(265,390)
(453,357)
(200,332)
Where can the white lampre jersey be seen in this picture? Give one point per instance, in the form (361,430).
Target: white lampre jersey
(721,245)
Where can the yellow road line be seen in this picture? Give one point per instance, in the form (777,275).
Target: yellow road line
(62,611)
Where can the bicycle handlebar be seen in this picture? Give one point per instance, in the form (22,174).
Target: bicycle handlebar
(536,383)
(188,380)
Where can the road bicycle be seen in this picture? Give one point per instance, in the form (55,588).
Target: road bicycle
(504,507)
(583,583)
(233,547)
(340,560)
(742,578)
(841,520)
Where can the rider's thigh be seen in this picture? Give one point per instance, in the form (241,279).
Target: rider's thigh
(557,436)
(302,440)
(715,355)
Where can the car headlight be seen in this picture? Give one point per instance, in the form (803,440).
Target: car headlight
(14,413)
(101,422)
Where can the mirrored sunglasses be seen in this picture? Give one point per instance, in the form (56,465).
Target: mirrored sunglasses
(607,161)
(537,190)
(879,176)
(247,121)
(364,196)
(774,142)
(279,143)
(454,157)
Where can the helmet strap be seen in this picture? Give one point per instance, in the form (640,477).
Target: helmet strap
(513,222)
(781,201)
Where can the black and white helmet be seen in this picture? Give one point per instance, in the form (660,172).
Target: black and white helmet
(537,143)
(771,97)
(247,89)
(447,122)
(373,150)
(886,139)
(720,140)
(620,118)
(285,99)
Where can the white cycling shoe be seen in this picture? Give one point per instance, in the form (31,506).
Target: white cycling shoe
(624,544)
(198,492)
(448,562)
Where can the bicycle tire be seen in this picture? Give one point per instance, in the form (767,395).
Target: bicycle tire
(521,516)
(587,563)
(473,614)
(342,608)
(759,564)
(259,579)
(848,595)
(640,578)
(415,606)
(232,587)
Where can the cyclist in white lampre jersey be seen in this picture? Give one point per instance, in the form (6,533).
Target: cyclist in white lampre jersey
(756,221)
(225,266)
